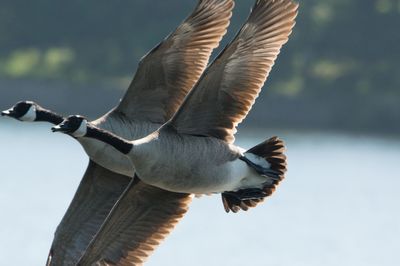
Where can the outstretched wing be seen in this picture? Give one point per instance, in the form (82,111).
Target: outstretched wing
(167,73)
(94,199)
(228,88)
(140,220)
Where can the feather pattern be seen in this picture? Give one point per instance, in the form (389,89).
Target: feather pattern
(227,90)
(167,73)
(141,219)
(94,199)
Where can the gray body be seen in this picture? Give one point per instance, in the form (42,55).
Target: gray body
(192,164)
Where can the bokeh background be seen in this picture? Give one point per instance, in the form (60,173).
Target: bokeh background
(333,95)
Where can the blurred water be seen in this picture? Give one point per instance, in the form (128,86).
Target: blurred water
(337,206)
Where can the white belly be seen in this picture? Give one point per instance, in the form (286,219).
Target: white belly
(107,156)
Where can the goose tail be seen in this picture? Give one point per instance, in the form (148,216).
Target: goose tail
(268,160)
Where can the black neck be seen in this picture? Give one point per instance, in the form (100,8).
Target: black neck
(105,136)
(48,116)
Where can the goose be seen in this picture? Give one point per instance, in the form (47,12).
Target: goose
(194,152)
(162,80)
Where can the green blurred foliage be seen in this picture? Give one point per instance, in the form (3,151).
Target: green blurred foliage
(349,46)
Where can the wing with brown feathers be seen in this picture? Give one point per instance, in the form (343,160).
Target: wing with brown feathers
(169,71)
(94,199)
(140,220)
(228,88)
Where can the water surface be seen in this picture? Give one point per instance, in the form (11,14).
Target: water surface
(339,204)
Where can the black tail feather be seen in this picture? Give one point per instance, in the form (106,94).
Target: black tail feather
(272,151)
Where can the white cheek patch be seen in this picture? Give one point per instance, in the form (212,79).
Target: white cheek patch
(30,116)
(81,131)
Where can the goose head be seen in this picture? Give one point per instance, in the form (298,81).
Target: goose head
(74,125)
(23,111)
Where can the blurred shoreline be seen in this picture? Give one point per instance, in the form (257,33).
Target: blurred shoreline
(331,76)
(324,112)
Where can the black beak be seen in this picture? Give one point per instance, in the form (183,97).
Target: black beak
(60,128)
(9,112)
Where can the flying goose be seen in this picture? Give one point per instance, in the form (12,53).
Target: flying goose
(194,151)
(162,80)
